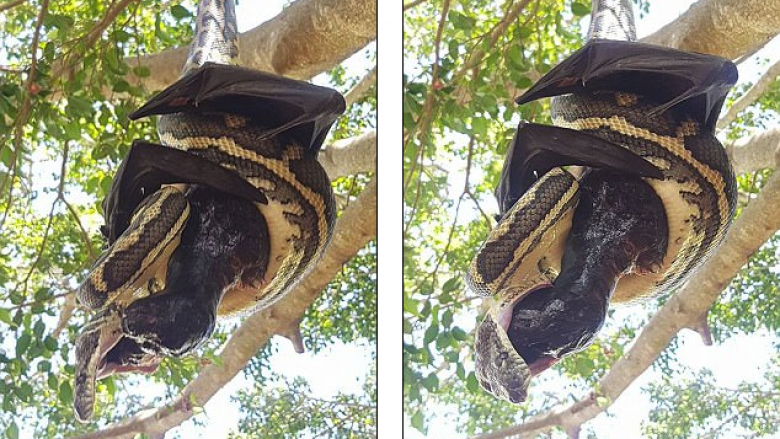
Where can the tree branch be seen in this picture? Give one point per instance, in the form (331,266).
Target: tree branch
(758,222)
(751,96)
(305,39)
(755,152)
(349,156)
(728,28)
(11,4)
(354,229)
(361,88)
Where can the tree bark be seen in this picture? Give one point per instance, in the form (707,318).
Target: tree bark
(307,38)
(350,156)
(754,153)
(728,28)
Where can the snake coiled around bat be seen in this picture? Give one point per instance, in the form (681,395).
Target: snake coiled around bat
(621,200)
(224,217)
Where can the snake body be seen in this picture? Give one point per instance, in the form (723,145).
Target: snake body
(193,252)
(581,237)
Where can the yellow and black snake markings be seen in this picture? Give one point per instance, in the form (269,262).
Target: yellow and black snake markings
(215,39)
(698,189)
(521,230)
(154,232)
(300,210)
(239,213)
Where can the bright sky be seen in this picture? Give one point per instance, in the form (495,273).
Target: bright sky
(739,358)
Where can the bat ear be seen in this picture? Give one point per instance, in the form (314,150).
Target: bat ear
(536,149)
(303,110)
(695,82)
(148,166)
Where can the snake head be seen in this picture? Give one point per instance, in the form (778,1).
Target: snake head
(102,350)
(135,339)
(524,336)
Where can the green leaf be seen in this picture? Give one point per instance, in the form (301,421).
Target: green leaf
(50,343)
(431,333)
(418,422)
(5,316)
(179,12)
(66,393)
(12,431)
(431,382)
(22,344)
(79,105)
(25,391)
(459,334)
(471,383)
(580,9)
(446,318)
(410,306)
(460,21)
(121,86)
(453,283)
(141,71)
(53,383)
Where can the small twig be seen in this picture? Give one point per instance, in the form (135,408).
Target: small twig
(37,302)
(84,234)
(475,56)
(11,4)
(60,189)
(11,70)
(359,90)
(412,4)
(426,117)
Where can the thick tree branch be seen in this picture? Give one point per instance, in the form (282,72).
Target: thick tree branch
(751,96)
(350,156)
(754,153)
(758,222)
(307,38)
(354,229)
(729,28)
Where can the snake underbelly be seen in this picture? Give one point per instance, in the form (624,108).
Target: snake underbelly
(300,210)
(698,188)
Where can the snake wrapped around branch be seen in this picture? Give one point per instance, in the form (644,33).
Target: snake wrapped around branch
(221,218)
(621,200)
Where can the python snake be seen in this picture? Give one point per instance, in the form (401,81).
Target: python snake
(199,247)
(572,239)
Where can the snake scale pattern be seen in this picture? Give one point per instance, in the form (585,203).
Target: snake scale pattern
(193,252)
(584,235)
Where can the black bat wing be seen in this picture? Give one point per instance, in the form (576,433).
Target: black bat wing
(536,149)
(304,110)
(698,83)
(149,166)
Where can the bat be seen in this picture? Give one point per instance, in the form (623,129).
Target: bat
(696,82)
(536,149)
(148,166)
(304,110)
(299,109)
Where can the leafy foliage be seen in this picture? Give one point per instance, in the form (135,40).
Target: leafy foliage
(65,94)
(286,409)
(465,62)
(700,407)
